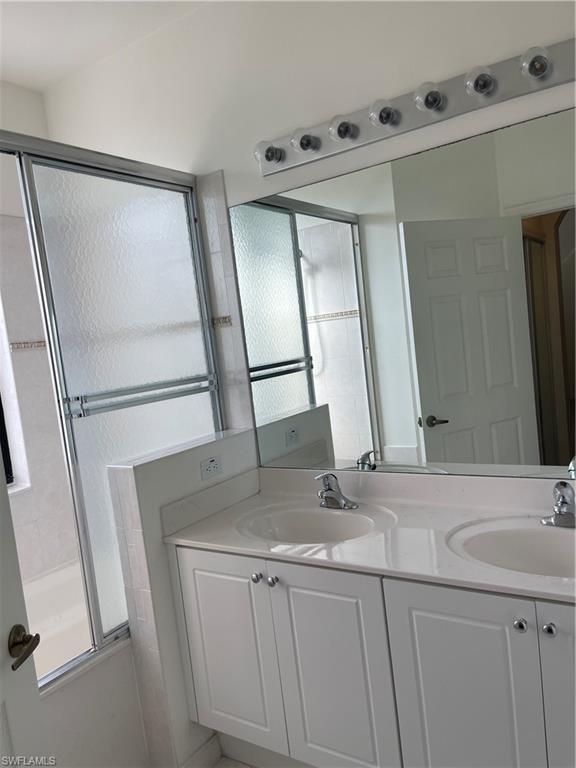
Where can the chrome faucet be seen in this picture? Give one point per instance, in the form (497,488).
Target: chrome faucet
(564,508)
(572,468)
(364,463)
(331,495)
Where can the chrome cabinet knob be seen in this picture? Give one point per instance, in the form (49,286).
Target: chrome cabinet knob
(520,625)
(256,578)
(549,629)
(272,581)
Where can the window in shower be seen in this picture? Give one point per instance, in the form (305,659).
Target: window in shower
(129,340)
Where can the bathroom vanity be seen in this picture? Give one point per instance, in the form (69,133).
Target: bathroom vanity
(413,321)
(373,637)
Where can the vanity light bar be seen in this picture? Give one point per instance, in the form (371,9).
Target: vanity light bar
(536,70)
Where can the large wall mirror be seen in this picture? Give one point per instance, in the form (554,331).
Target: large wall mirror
(418,316)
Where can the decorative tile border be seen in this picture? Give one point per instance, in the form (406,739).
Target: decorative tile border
(222,322)
(17,345)
(333,316)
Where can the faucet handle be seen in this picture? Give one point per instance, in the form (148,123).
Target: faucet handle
(329,481)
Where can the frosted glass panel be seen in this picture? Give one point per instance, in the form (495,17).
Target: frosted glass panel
(122,278)
(111,437)
(267,278)
(273,398)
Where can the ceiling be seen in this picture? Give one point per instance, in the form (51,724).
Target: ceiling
(43,42)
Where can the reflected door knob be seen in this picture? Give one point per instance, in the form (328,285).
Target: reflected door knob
(549,629)
(520,625)
(21,645)
(433,421)
(272,581)
(256,578)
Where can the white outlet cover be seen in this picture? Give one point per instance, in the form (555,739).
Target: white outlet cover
(210,467)
(292,436)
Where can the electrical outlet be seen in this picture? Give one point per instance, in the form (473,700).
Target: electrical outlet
(210,467)
(292,437)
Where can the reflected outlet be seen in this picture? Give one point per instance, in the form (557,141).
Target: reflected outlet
(292,437)
(210,467)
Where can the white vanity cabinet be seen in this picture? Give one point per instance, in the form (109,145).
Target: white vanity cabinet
(557,641)
(320,632)
(468,680)
(232,647)
(335,667)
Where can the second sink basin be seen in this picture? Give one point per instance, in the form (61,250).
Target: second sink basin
(310,527)
(518,544)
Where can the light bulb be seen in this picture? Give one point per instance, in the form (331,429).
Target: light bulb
(341,129)
(381,113)
(429,98)
(302,141)
(536,63)
(480,81)
(268,153)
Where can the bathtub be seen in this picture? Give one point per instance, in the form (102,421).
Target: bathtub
(57,609)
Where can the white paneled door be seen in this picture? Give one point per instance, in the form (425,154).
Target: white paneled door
(21,727)
(556,624)
(467,673)
(472,340)
(335,667)
(232,646)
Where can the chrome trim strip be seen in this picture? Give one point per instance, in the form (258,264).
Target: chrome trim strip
(310,209)
(131,402)
(45,682)
(203,296)
(284,372)
(366,334)
(269,366)
(44,149)
(152,387)
(302,306)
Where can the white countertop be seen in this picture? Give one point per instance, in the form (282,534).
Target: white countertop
(414,547)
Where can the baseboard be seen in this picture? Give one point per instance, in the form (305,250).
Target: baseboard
(205,756)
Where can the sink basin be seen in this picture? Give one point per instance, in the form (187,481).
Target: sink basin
(298,526)
(518,544)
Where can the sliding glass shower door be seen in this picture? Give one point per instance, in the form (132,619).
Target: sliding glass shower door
(131,336)
(270,281)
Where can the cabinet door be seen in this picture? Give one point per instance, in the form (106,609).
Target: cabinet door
(558,673)
(232,647)
(468,684)
(335,667)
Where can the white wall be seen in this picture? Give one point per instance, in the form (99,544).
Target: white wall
(201,92)
(454,182)
(535,164)
(22,110)
(94,720)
